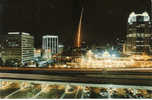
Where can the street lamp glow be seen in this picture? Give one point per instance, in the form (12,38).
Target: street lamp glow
(113,55)
(106,54)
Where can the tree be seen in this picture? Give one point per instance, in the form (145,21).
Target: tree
(1,62)
(12,63)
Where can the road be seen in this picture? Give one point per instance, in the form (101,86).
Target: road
(118,76)
(131,69)
(124,78)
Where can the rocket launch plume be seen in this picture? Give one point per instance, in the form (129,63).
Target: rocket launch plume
(78,40)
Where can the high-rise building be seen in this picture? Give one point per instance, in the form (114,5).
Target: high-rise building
(138,35)
(50,45)
(19,46)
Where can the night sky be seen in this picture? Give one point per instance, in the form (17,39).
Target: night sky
(103,21)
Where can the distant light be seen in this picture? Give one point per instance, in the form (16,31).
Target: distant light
(61,46)
(50,36)
(17,33)
(67,57)
(106,54)
(113,55)
(25,33)
(13,33)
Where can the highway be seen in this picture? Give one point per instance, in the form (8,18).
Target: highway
(118,76)
(65,85)
(73,70)
(118,79)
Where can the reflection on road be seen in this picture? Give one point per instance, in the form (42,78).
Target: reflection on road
(25,89)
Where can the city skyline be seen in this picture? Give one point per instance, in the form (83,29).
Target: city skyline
(63,16)
(58,49)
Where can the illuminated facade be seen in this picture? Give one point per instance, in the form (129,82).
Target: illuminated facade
(19,46)
(138,35)
(50,45)
(107,61)
(61,47)
(37,52)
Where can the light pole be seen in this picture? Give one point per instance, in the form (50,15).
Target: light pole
(151,14)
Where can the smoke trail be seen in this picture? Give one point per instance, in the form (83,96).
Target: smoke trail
(78,43)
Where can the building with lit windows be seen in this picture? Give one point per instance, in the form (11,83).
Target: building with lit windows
(37,53)
(50,45)
(60,48)
(138,39)
(18,46)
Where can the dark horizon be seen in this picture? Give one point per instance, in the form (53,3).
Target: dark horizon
(103,20)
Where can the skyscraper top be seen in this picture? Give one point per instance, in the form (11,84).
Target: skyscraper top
(133,17)
(50,36)
(18,33)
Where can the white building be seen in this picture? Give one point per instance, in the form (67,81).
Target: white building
(50,45)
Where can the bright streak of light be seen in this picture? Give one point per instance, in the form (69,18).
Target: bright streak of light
(78,43)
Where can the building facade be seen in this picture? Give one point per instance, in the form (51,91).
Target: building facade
(50,45)
(138,39)
(60,48)
(37,53)
(19,46)
(27,47)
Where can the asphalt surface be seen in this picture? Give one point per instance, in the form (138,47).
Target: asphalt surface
(118,76)
(124,78)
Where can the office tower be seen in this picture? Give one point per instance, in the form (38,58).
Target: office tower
(138,34)
(18,46)
(50,45)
